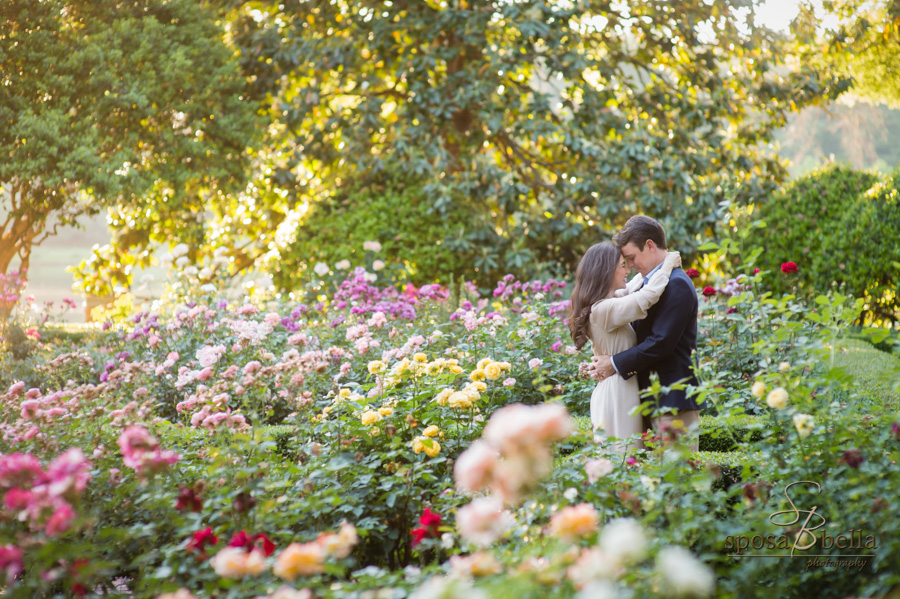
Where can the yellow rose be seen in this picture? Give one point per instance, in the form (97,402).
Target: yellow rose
(417,445)
(493,371)
(459,401)
(385,411)
(758,389)
(400,366)
(376,367)
(777,398)
(420,357)
(431,431)
(374,431)
(477,386)
(370,417)
(432,368)
(344,393)
(432,447)
(505,365)
(299,560)
(485,564)
(483,362)
(784,366)
(235,562)
(477,375)
(441,398)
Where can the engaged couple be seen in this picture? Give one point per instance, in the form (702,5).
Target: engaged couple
(637,328)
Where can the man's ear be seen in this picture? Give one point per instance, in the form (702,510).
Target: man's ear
(649,246)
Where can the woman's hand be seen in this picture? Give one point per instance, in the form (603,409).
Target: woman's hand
(673,260)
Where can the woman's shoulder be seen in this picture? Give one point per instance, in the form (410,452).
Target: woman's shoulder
(600,304)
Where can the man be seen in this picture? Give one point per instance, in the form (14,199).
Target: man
(667,338)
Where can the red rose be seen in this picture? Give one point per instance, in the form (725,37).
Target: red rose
(709,291)
(789,267)
(853,458)
(188,500)
(692,273)
(199,541)
(265,543)
(258,541)
(428,527)
(429,519)
(756,271)
(731,310)
(418,534)
(241,539)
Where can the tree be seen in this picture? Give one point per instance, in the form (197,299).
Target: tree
(136,105)
(866,45)
(543,124)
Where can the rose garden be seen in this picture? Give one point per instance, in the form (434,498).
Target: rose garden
(355,379)
(367,440)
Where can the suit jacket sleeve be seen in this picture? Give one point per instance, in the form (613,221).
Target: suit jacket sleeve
(665,333)
(614,312)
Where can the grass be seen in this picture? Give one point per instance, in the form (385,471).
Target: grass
(875,372)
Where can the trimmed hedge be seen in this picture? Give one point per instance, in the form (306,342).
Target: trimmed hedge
(717,434)
(839,225)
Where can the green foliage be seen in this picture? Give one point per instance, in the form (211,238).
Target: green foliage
(874,373)
(348,449)
(866,45)
(112,103)
(835,224)
(551,122)
(385,207)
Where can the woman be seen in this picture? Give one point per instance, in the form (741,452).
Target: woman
(603,306)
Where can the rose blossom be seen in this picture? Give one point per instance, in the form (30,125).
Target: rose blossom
(474,466)
(576,521)
(483,521)
(597,469)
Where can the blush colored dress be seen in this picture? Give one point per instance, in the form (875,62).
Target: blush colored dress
(614,400)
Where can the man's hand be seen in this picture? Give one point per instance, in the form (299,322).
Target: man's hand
(601,368)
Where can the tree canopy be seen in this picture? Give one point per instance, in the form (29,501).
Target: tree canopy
(542,125)
(521,132)
(866,45)
(114,103)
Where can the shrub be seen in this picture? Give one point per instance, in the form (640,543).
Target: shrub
(839,226)
(385,210)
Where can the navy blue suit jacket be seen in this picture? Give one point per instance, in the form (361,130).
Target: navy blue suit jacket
(665,342)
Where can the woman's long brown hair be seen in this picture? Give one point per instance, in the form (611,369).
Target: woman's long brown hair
(593,282)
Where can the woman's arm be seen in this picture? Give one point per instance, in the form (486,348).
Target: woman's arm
(614,312)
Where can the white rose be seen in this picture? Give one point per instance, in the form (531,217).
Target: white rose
(685,574)
(342,265)
(804,423)
(180,250)
(321,269)
(624,540)
(377,265)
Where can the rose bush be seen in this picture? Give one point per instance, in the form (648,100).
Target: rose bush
(400,438)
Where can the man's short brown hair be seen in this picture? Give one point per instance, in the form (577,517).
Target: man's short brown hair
(638,230)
